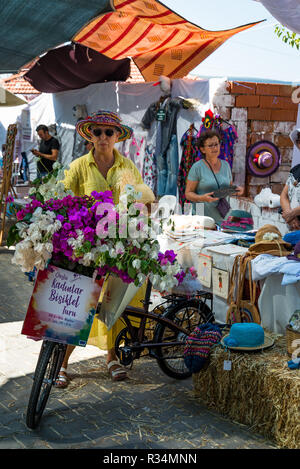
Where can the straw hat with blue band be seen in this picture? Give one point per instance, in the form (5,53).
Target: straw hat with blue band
(106,118)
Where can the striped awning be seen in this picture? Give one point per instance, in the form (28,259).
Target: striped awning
(158,40)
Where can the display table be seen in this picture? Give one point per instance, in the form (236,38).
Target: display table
(259,391)
(276,302)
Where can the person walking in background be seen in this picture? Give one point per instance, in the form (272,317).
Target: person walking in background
(47,152)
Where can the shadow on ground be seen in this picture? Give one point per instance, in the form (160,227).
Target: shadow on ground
(149,410)
(15,289)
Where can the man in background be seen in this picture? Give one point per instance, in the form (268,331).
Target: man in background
(47,152)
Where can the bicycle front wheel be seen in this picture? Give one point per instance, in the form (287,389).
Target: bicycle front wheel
(187,315)
(49,362)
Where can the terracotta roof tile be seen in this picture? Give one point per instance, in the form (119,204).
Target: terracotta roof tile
(18,85)
(137,77)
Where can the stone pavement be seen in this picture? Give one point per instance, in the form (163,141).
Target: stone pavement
(148,411)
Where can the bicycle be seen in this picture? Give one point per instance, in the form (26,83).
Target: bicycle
(175,318)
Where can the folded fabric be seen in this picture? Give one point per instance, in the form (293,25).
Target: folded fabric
(294,364)
(199,344)
(266,264)
(293,237)
(290,267)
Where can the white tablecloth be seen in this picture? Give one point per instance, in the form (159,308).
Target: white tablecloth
(277,303)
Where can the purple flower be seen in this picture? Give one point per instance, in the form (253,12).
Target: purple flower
(89,234)
(67,226)
(180,276)
(168,256)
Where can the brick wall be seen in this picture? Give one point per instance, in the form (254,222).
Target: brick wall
(259,111)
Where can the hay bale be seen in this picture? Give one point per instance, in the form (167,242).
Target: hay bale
(260,391)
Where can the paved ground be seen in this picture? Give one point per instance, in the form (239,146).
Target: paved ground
(149,411)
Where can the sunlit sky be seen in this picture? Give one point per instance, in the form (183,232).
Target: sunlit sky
(253,54)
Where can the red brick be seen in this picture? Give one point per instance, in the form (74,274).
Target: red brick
(286,90)
(247,101)
(258,114)
(277,188)
(283,115)
(267,89)
(286,155)
(283,141)
(261,136)
(243,87)
(277,102)
(259,126)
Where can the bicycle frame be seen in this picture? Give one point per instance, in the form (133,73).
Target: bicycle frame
(137,334)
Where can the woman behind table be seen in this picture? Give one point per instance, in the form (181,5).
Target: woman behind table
(104,168)
(201,183)
(290,195)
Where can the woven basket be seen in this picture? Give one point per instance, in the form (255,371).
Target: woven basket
(291,335)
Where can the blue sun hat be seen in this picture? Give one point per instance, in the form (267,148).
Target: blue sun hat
(247,337)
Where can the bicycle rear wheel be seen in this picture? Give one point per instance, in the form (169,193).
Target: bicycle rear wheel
(48,365)
(187,315)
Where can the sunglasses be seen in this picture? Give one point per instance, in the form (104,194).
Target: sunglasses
(213,145)
(97,132)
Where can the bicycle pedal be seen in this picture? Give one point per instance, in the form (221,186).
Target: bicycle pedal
(126,357)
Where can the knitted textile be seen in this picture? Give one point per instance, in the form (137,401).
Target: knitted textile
(199,344)
(103,117)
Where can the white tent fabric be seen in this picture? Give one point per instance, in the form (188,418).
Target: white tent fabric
(129,100)
(287,12)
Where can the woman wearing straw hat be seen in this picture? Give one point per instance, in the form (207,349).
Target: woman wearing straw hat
(104,168)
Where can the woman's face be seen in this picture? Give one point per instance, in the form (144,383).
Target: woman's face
(211,147)
(104,137)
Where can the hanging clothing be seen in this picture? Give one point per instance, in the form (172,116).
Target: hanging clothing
(228,139)
(134,149)
(170,107)
(166,151)
(150,167)
(167,166)
(190,154)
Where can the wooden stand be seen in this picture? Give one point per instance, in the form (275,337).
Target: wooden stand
(6,186)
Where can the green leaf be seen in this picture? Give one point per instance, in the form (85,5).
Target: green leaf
(131,272)
(27,217)
(86,247)
(39,197)
(13,236)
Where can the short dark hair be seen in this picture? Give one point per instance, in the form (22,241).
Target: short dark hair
(206,135)
(42,127)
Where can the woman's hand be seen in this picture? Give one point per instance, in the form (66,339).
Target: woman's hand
(208,197)
(294,224)
(290,215)
(239,191)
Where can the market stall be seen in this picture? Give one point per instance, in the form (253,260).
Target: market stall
(213,253)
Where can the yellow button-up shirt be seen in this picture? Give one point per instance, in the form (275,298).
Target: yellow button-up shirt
(84,177)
